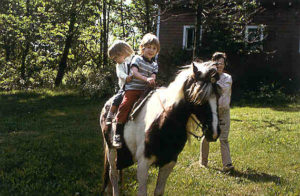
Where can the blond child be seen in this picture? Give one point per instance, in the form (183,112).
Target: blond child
(225,82)
(144,69)
(118,52)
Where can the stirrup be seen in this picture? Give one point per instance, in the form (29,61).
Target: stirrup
(117,143)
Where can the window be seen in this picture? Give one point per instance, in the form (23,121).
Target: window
(189,36)
(254,36)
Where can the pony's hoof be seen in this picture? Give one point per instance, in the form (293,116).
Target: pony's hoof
(215,136)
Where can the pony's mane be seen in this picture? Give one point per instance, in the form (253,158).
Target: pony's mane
(198,91)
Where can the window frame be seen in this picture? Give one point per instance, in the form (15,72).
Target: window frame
(185,34)
(258,28)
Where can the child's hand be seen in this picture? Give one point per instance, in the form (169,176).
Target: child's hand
(129,78)
(151,81)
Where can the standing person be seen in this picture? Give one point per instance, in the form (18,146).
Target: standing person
(118,52)
(225,83)
(144,69)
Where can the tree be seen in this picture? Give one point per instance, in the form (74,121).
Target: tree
(222,22)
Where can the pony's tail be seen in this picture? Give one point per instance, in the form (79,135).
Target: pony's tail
(105,173)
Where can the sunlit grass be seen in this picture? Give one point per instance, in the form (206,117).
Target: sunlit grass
(50,144)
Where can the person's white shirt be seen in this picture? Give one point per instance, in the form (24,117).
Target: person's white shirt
(225,82)
(122,71)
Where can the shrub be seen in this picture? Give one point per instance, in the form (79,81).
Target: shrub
(269,93)
(99,83)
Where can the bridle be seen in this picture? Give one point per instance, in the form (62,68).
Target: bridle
(193,118)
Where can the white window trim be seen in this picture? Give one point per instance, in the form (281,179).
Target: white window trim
(261,37)
(184,41)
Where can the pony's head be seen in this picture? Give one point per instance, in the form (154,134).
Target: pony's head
(202,93)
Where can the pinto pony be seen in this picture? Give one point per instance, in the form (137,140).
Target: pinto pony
(159,132)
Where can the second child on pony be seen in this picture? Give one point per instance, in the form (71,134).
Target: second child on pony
(144,69)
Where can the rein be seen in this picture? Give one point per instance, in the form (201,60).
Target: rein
(198,125)
(193,118)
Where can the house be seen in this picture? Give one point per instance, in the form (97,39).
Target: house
(277,29)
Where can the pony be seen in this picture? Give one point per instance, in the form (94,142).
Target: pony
(159,131)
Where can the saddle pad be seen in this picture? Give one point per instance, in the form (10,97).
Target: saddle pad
(138,105)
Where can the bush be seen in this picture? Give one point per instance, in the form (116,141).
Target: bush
(271,94)
(99,83)
(170,62)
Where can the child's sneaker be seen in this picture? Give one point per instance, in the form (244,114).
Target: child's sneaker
(117,143)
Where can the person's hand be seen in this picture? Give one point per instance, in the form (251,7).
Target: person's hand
(151,81)
(129,78)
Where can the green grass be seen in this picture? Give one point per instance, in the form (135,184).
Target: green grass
(50,144)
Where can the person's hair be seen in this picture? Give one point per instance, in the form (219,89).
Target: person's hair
(118,48)
(218,55)
(149,39)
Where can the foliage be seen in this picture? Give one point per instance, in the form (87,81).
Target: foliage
(268,94)
(41,39)
(100,84)
(50,144)
(224,23)
(170,62)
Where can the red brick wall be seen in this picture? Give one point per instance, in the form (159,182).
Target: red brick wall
(282,22)
(171,29)
(283,26)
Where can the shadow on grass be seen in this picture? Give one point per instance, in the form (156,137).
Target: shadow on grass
(270,124)
(254,176)
(281,107)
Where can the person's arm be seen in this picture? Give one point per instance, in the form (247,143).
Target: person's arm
(121,73)
(153,76)
(137,75)
(155,71)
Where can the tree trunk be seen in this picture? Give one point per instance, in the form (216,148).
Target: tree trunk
(26,49)
(100,56)
(63,61)
(148,23)
(7,48)
(104,34)
(197,41)
(122,20)
(24,55)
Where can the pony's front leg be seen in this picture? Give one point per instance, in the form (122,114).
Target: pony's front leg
(113,172)
(163,175)
(142,176)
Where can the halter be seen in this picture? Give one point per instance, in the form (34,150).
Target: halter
(193,118)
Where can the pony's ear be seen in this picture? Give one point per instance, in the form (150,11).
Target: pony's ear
(195,69)
(212,75)
(197,72)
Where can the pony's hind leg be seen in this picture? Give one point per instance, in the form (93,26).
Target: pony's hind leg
(163,175)
(113,172)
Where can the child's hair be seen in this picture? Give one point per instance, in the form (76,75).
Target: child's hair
(118,48)
(218,55)
(148,39)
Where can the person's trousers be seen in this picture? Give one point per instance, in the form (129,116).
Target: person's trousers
(130,97)
(224,118)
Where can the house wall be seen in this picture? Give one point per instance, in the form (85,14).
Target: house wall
(283,25)
(171,28)
(282,43)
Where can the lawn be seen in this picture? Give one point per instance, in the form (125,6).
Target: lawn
(50,144)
